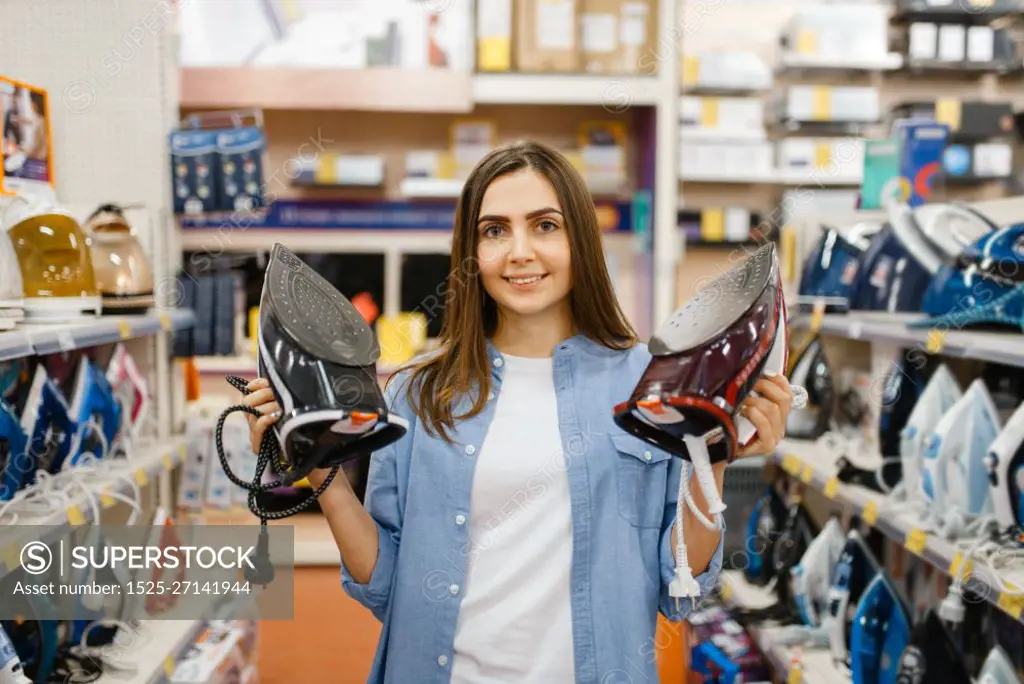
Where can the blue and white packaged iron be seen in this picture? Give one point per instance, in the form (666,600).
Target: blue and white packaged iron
(95,411)
(829,271)
(47,423)
(17,463)
(984,287)
(880,633)
(1005,464)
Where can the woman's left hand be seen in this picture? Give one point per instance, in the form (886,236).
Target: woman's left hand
(768,412)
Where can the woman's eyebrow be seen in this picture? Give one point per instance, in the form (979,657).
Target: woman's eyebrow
(532,215)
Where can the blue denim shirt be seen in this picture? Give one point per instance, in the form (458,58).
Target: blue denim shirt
(623,505)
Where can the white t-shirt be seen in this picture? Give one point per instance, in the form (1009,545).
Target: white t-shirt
(515,621)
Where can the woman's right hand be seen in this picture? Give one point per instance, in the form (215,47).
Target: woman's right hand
(261,398)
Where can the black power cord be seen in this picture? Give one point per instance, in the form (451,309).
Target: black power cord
(269,454)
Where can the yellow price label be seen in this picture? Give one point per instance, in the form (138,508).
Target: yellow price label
(712,225)
(168,666)
(165,322)
(795,676)
(1012,604)
(125,329)
(807,474)
(107,500)
(821,103)
(709,112)
(870,514)
(168,462)
(791,464)
(916,541)
(75,516)
(11,557)
(947,111)
(832,487)
(817,316)
(141,478)
(822,155)
(727,591)
(960,567)
(936,341)
(807,42)
(691,70)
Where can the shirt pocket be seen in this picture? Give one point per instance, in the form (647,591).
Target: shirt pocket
(641,471)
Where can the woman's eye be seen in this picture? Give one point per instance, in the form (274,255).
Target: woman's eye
(548,226)
(493,230)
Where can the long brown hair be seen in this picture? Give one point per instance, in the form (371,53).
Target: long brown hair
(461,365)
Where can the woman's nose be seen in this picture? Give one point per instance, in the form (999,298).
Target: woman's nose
(522,247)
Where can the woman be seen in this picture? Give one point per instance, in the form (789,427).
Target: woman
(515,533)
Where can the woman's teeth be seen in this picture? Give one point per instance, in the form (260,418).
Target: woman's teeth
(525,281)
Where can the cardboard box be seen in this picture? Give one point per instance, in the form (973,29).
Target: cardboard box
(494,35)
(881,172)
(547,36)
(616,36)
(921,148)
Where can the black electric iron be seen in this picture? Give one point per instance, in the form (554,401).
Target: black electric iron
(810,369)
(857,566)
(320,358)
(932,656)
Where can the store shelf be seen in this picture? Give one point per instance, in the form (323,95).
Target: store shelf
(1006,348)
(50,338)
(969,12)
(155,647)
(820,177)
(815,664)
(815,466)
(789,62)
(700,134)
(615,93)
(152,460)
(320,240)
(377,89)
(245,365)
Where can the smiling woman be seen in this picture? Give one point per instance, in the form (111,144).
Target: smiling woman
(515,533)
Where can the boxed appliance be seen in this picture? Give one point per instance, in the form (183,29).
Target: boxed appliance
(240,168)
(726,70)
(921,146)
(547,35)
(726,160)
(839,157)
(967,120)
(838,33)
(494,35)
(722,117)
(193,164)
(846,104)
(615,35)
(981,160)
(881,172)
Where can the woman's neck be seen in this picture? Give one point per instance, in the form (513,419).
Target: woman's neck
(533,336)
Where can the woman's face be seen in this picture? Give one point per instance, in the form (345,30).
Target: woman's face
(523,244)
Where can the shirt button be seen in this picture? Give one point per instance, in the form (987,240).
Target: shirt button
(647,455)
(442,660)
(453,589)
(460,519)
(498,362)
(471,450)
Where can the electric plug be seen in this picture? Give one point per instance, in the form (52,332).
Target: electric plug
(262,570)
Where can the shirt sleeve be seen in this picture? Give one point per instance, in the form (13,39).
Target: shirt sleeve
(677,609)
(382,502)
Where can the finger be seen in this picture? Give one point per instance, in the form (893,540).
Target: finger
(765,431)
(258,384)
(768,387)
(771,410)
(263,396)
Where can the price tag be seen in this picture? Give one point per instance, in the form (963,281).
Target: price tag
(141,478)
(807,42)
(947,111)
(709,112)
(712,225)
(107,501)
(870,514)
(796,675)
(807,474)
(182,452)
(1011,604)
(960,567)
(165,322)
(791,464)
(168,666)
(817,315)
(126,330)
(727,591)
(11,557)
(822,155)
(691,70)
(832,487)
(75,516)
(916,541)
(936,341)
(821,107)
(168,462)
